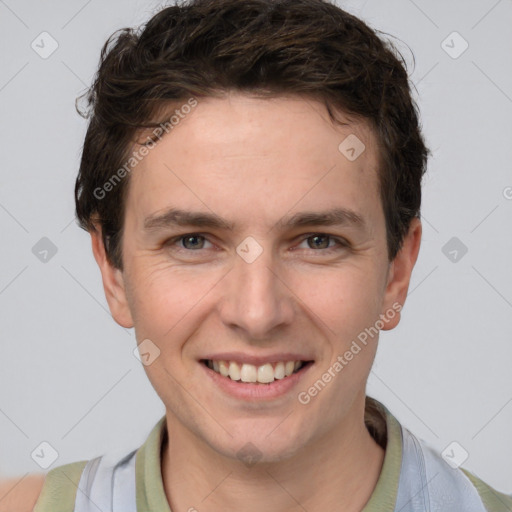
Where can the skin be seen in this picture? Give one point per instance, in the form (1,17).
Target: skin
(20,494)
(253,162)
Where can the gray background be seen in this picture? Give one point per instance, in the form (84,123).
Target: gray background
(67,372)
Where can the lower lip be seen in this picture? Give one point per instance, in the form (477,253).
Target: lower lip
(256,391)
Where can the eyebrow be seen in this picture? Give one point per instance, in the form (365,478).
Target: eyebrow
(333,217)
(177,217)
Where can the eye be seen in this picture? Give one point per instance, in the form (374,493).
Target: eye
(316,242)
(323,241)
(190,242)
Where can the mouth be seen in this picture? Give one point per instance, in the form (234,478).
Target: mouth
(264,374)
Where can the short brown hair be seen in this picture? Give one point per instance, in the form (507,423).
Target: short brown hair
(203,48)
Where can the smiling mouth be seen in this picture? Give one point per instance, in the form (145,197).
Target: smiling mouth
(249,373)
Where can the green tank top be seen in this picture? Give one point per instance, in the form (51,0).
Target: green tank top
(61,490)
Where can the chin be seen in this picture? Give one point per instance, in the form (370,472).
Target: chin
(259,447)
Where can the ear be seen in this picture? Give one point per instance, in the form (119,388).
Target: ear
(113,282)
(399,275)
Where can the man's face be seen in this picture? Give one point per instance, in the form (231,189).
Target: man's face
(266,288)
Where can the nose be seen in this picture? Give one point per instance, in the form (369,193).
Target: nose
(257,301)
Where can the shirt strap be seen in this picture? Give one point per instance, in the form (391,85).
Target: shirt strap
(107,486)
(60,487)
(427,482)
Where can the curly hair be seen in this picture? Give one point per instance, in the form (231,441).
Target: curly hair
(267,48)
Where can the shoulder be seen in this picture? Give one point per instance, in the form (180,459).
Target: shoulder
(41,492)
(54,491)
(494,501)
(20,494)
(451,485)
(57,491)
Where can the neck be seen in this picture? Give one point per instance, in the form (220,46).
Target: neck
(339,471)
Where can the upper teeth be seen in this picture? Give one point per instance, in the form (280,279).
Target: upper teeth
(250,373)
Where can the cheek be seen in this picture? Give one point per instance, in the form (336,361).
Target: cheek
(343,298)
(165,296)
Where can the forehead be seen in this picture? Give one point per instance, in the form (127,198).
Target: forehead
(227,151)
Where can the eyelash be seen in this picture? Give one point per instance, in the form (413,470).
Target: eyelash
(341,243)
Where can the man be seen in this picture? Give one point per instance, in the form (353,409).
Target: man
(251,180)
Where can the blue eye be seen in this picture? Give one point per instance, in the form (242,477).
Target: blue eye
(192,241)
(319,241)
(322,241)
(189,242)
